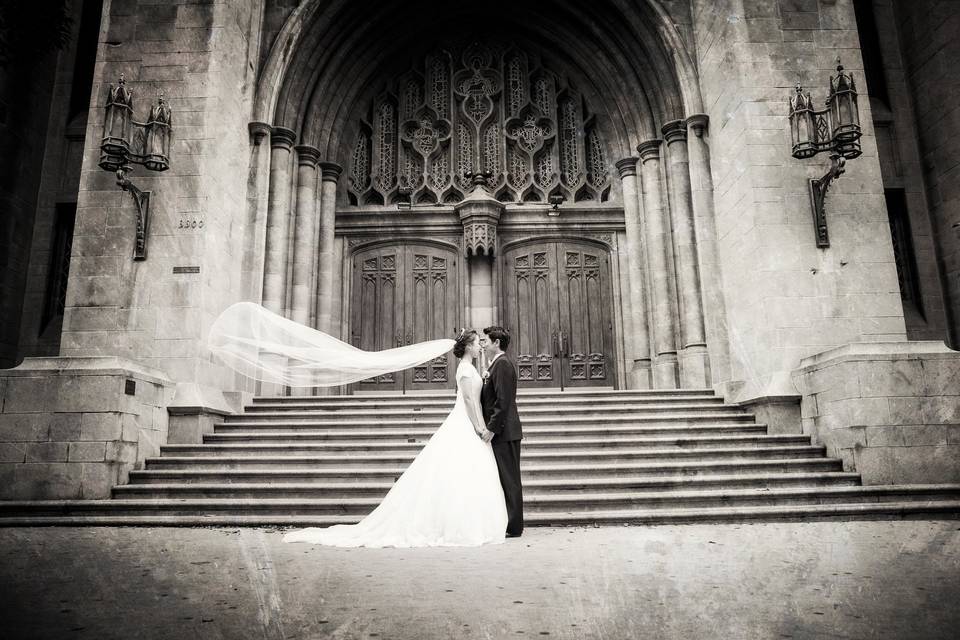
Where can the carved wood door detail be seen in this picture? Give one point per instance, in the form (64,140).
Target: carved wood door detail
(557,306)
(404,294)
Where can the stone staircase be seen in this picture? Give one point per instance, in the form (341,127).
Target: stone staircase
(589,457)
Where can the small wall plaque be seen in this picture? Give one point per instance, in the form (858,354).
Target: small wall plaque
(186,269)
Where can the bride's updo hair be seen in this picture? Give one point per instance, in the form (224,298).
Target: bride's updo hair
(464,338)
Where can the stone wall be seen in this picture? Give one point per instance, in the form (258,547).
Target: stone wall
(25,94)
(901,168)
(156,312)
(74,427)
(785,298)
(891,411)
(928,35)
(59,177)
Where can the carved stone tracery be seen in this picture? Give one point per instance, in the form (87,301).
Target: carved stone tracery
(483,107)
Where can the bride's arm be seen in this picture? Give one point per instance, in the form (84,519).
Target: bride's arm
(471,400)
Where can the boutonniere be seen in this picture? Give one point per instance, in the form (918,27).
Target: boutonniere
(486,375)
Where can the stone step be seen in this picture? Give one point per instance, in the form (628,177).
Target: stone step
(423,433)
(586,408)
(310,479)
(38,514)
(523,395)
(582,503)
(224,485)
(416,443)
(245,447)
(341,473)
(311,419)
(524,403)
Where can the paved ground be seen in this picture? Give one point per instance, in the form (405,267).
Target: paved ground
(888,579)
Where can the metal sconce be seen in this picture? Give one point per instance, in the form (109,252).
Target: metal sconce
(555,200)
(835,129)
(126,142)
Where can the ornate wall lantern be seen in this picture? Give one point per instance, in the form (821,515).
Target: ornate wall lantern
(835,129)
(126,142)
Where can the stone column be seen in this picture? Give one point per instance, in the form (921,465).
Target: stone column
(305,231)
(694,363)
(328,216)
(701,179)
(481,292)
(659,268)
(258,192)
(635,325)
(480,213)
(278,217)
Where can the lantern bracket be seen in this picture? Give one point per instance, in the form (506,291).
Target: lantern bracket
(141,199)
(818,194)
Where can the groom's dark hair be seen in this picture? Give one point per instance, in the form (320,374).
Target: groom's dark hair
(498,333)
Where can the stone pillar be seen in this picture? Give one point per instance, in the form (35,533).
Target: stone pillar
(278,219)
(694,363)
(480,213)
(701,189)
(258,192)
(328,217)
(305,231)
(635,325)
(304,240)
(481,292)
(659,268)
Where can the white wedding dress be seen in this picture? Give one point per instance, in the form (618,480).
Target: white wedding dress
(449,496)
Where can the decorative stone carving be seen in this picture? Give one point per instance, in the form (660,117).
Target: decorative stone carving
(480,238)
(479,212)
(486,107)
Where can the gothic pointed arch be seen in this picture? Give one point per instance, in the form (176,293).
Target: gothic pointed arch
(478,107)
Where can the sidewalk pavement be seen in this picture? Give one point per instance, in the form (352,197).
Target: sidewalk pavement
(859,579)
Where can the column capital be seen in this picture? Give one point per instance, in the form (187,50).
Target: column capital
(307,156)
(281,137)
(674,131)
(649,150)
(699,123)
(259,131)
(331,171)
(627,166)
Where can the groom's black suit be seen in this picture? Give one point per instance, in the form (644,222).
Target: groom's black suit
(499,401)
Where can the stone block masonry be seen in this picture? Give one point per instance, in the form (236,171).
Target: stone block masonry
(73,428)
(891,411)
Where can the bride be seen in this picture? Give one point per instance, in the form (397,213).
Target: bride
(451,493)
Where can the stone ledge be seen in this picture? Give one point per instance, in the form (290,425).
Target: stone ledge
(857,351)
(85,366)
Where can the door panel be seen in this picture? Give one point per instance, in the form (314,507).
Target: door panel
(404,294)
(554,290)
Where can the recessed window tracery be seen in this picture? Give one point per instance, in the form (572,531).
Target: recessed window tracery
(481,108)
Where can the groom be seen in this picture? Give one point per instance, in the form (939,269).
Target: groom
(499,401)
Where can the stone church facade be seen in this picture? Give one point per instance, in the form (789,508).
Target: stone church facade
(611,181)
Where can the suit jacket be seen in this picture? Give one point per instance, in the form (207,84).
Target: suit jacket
(498,399)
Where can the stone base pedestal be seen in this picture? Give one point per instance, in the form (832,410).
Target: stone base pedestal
(195,409)
(639,375)
(781,413)
(73,428)
(890,410)
(694,368)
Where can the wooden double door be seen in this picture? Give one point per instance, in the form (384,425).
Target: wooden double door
(557,305)
(403,294)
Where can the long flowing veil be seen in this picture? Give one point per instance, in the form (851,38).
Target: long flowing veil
(265,346)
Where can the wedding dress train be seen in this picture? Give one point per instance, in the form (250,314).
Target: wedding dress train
(449,496)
